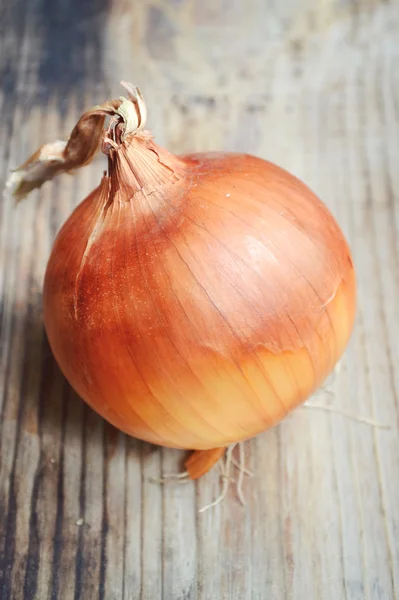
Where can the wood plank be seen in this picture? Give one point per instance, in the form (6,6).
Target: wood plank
(312,86)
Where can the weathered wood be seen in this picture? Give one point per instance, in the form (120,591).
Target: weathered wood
(313,86)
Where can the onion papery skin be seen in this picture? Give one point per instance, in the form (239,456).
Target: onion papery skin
(195,301)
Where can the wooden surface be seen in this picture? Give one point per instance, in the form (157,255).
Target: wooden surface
(314,86)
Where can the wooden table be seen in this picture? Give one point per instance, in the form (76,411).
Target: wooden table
(313,86)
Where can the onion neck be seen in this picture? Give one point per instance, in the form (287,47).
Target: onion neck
(136,163)
(140,165)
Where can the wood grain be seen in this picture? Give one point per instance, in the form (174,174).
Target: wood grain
(314,87)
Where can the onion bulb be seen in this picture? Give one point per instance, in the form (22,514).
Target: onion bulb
(192,301)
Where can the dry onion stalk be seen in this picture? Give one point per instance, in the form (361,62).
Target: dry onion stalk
(193,301)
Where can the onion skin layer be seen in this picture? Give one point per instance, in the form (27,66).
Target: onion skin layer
(195,301)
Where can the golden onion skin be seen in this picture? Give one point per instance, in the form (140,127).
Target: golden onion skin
(193,302)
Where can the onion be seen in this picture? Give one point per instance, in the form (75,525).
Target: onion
(192,301)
